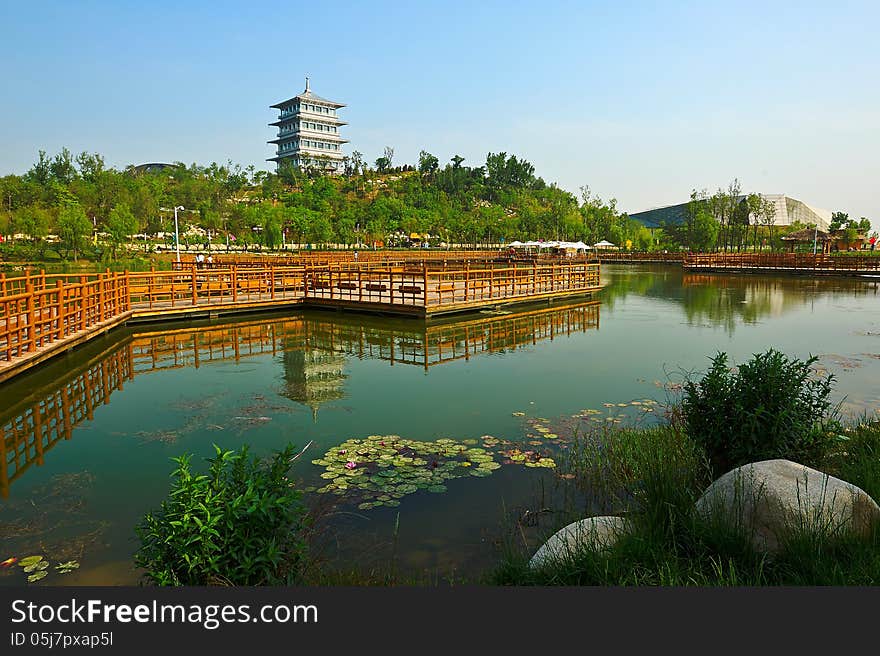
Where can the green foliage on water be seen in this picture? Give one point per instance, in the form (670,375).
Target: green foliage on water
(242,523)
(382,469)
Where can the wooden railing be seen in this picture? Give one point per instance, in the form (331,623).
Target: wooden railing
(319,258)
(784,261)
(39,311)
(36,314)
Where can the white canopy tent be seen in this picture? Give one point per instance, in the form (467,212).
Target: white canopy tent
(604,244)
(574,245)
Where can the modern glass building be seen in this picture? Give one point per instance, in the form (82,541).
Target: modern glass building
(308,132)
(788,211)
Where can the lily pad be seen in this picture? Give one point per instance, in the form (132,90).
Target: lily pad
(27,561)
(37,576)
(38,566)
(67,567)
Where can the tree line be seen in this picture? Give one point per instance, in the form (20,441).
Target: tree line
(75,197)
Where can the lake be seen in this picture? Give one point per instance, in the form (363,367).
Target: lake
(471,411)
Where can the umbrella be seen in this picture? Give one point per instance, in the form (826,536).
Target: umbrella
(603,244)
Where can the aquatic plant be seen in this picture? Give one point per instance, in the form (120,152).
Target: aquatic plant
(240,524)
(382,469)
(770,407)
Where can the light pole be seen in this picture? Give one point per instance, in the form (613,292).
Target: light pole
(176,237)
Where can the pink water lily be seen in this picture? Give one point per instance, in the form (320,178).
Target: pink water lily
(351,464)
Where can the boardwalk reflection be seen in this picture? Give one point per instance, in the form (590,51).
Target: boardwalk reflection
(312,348)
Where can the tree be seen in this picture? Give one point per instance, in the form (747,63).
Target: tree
(768,216)
(389,155)
(705,231)
(383,164)
(428,164)
(121,224)
(838,220)
(73,227)
(62,168)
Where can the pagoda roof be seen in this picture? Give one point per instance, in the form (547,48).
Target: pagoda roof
(309,96)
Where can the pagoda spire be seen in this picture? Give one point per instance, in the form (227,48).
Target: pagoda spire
(307,84)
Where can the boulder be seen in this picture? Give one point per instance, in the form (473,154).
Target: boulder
(591,533)
(773,497)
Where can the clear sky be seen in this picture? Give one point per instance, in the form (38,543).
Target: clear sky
(642,101)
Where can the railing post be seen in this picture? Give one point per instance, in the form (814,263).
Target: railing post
(233,272)
(59,284)
(83,303)
(195,297)
(390,284)
(467,277)
(424,286)
(29,321)
(100,297)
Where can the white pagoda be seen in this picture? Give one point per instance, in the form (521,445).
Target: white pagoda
(308,132)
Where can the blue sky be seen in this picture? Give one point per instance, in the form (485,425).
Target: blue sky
(642,101)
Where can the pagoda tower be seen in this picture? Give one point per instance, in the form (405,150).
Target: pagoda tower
(308,132)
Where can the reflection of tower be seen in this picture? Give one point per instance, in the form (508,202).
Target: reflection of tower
(313,377)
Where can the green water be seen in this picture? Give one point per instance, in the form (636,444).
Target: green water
(324,377)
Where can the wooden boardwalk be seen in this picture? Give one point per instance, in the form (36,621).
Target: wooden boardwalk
(788,263)
(42,316)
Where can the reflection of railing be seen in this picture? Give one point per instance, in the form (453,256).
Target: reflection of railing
(31,427)
(462,340)
(38,423)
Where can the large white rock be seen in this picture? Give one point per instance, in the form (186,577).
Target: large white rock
(591,533)
(772,497)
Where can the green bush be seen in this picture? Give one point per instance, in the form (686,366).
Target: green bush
(770,407)
(241,524)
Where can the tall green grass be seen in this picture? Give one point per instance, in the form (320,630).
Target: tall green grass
(653,477)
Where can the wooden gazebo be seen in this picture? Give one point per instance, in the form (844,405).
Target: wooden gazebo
(809,236)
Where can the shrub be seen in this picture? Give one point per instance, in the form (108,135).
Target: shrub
(771,407)
(241,524)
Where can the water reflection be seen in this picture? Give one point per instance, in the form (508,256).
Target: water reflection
(726,300)
(313,348)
